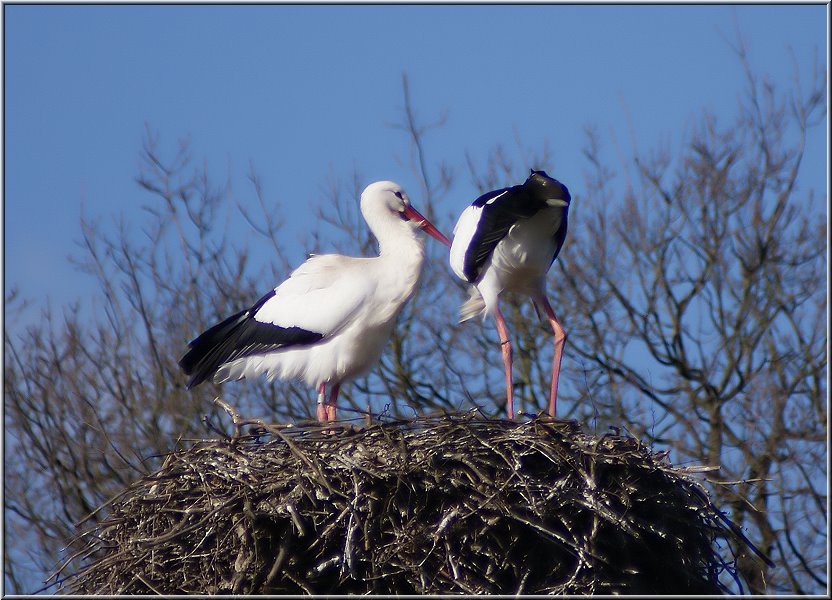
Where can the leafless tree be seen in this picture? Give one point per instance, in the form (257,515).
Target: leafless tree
(696,299)
(691,286)
(91,403)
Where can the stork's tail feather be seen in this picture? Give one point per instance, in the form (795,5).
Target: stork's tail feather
(211,349)
(474,306)
(240,335)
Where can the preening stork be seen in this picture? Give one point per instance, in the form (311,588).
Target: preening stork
(505,242)
(329,321)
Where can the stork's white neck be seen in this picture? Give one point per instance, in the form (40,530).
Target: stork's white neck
(401,244)
(400,260)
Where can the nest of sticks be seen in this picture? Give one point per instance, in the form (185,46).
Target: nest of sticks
(451,504)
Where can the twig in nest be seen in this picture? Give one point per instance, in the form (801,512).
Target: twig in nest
(442,504)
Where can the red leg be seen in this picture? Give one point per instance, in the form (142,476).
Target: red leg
(560,342)
(505,346)
(331,405)
(321,399)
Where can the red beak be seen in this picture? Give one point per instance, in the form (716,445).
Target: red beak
(411,214)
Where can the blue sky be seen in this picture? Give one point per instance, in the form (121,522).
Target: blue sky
(305,92)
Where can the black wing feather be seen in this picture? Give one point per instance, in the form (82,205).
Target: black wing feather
(509,205)
(560,235)
(503,208)
(237,336)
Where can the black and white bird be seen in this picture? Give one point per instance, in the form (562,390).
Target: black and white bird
(505,242)
(329,321)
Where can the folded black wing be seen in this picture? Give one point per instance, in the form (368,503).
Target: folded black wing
(237,336)
(500,210)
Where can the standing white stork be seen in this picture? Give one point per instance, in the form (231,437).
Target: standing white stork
(505,242)
(329,321)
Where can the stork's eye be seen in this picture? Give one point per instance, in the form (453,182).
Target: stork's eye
(399,195)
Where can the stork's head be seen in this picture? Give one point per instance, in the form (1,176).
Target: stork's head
(555,192)
(388,198)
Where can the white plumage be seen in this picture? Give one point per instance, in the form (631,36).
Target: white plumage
(505,242)
(518,263)
(329,321)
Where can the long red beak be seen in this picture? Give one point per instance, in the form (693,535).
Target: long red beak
(411,214)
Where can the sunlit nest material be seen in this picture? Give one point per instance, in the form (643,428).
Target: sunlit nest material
(448,504)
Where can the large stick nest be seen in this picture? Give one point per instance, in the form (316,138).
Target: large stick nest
(451,504)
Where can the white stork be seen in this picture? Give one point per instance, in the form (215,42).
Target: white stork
(329,321)
(505,242)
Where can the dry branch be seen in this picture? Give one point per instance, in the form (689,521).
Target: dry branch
(448,504)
